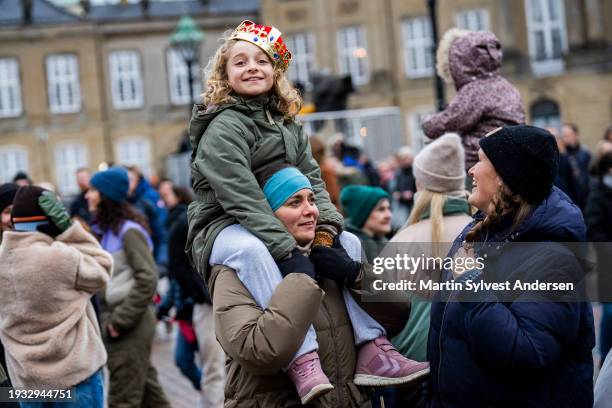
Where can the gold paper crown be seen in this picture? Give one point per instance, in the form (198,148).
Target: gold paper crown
(267,38)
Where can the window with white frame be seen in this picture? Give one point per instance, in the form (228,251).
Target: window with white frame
(69,157)
(473,19)
(418,47)
(10,88)
(179,80)
(415,124)
(547,34)
(302,58)
(126,80)
(63,83)
(13,159)
(135,152)
(353,54)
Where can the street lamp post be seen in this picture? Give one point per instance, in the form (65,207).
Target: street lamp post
(439,86)
(186,41)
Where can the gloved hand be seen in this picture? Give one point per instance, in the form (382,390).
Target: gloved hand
(335,263)
(55,210)
(296,263)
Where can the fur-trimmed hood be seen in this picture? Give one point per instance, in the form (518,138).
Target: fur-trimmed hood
(464,56)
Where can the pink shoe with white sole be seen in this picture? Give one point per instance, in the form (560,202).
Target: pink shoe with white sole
(379,364)
(308,377)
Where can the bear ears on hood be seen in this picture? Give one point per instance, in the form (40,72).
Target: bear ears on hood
(464,54)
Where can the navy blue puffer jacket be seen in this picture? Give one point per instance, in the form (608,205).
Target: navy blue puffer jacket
(517,353)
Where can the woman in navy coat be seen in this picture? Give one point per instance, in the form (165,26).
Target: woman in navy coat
(515,348)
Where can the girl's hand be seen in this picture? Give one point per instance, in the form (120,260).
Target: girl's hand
(296,263)
(335,263)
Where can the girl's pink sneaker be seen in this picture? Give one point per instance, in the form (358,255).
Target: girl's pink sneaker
(308,377)
(379,364)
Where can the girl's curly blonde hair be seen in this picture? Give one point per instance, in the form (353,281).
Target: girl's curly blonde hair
(218,90)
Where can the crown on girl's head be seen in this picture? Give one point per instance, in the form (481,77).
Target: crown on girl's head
(267,38)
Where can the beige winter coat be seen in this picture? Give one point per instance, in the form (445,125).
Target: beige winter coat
(47,323)
(415,241)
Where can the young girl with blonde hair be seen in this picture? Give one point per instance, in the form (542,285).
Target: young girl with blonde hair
(245,127)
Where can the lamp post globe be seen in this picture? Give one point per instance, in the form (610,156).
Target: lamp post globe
(186,40)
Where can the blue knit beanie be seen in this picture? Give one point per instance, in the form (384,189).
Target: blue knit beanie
(283,184)
(359,201)
(112,183)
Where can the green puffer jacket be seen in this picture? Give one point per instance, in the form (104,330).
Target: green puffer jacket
(231,145)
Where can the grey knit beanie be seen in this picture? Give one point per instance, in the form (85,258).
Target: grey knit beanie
(440,166)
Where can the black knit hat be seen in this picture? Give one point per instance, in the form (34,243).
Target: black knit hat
(7,194)
(525,157)
(27,214)
(25,205)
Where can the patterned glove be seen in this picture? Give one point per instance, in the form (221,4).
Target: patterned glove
(55,210)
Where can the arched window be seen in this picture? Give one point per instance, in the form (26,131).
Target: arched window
(545,113)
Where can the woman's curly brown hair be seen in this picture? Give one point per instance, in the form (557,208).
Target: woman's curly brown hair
(218,90)
(507,205)
(111,215)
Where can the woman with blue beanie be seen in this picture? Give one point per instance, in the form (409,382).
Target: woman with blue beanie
(288,340)
(128,320)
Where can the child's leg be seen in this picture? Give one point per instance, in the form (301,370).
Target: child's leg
(379,364)
(236,248)
(365,328)
(256,269)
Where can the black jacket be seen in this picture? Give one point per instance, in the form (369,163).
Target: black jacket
(533,351)
(573,176)
(598,216)
(191,283)
(80,208)
(405,181)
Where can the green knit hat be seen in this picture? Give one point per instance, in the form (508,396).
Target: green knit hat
(359,201)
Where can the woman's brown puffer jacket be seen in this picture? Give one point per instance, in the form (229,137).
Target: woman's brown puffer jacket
(261,343)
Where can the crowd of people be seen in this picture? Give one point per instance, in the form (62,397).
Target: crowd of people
(90,275)
(268,256)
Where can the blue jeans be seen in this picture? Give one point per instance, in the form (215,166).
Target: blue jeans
(605,338)
(184,358)
(87,394)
